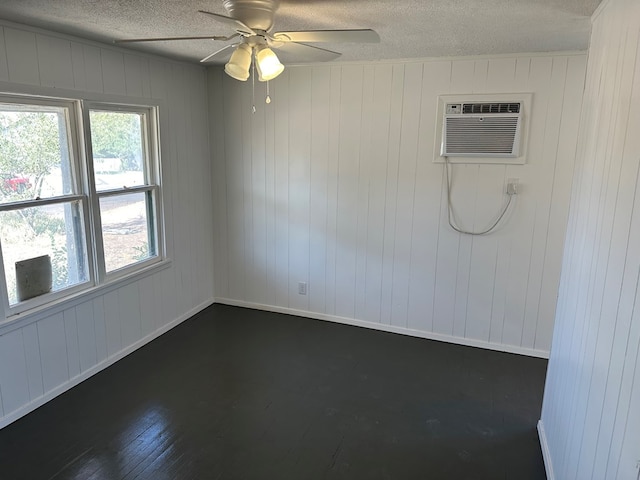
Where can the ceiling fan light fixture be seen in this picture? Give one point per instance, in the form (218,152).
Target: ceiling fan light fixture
(267,64)
(239,63)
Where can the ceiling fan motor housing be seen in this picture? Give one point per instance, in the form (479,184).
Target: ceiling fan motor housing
(256,14)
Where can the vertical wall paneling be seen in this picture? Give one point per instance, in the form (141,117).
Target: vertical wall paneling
(392,151)
(92,68)
(193,127)
(498,75)
(347,198)
(71,334)
(621,368)
(408,151)
(250,281)
(147,306)
(54,60)
(255,184)
(112,322)
(232,109)
(33,361)
(377,172)
(53,351)
(129,313)
(22,56)
(133,74)
(281,183)
(318,183)
(4,69)
(590,420)
(100,329)
(156,301)
(335,96)
(13,371)
(358,208)
(146,79)
(467,76)
(202,271)
(269,209)
(436,77)
(363,192)
(528,217)
(200,262)
(87,348)
(113,72)
(560,195)
(217,120)
(555,88)
(77,67)
(606,267)
(178,177)
(484,253)
(299,187)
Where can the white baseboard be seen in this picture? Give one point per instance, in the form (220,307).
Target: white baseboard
(389,328)
(546,455)
(51,394)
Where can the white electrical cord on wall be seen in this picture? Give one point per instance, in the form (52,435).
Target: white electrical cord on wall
(452,223)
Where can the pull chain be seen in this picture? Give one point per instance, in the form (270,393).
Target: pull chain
(268,99)
(253,86)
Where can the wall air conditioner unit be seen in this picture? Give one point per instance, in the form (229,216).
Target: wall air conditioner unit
(482,128)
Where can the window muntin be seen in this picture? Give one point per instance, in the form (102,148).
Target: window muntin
(59,182)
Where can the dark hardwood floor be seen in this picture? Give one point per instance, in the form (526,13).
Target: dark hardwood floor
(240,394)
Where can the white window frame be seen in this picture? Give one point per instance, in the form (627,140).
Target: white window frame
(84,191)
(151,167)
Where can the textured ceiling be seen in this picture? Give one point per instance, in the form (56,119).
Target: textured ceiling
(407,28)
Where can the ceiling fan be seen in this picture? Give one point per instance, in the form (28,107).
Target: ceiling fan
(253,22)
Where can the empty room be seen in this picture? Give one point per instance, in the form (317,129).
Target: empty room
(296,239)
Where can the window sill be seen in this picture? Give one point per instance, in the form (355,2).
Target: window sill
(32,315)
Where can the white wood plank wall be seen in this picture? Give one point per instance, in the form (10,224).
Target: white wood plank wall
(333,184)
(590,426)
(61,348)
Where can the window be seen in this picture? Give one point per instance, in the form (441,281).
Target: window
(79,206)
(125,184)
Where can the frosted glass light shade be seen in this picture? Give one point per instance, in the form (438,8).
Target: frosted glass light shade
(239,63)
(268,65)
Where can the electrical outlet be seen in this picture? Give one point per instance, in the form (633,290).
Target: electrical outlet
(302,288)
(513,186)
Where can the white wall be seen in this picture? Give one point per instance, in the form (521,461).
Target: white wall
(46,354)
(333,184)
(590,427)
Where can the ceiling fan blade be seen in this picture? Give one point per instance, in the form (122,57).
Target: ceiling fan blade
(217,52)
(301,53)
(232,22)
(332,36)
(166,39)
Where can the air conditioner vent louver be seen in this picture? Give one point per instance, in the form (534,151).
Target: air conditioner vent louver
(491,108)
(480,136)
(481,129)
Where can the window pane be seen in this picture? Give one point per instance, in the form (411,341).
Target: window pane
(126,228)
(34,152)
(54,230)
(118,149)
